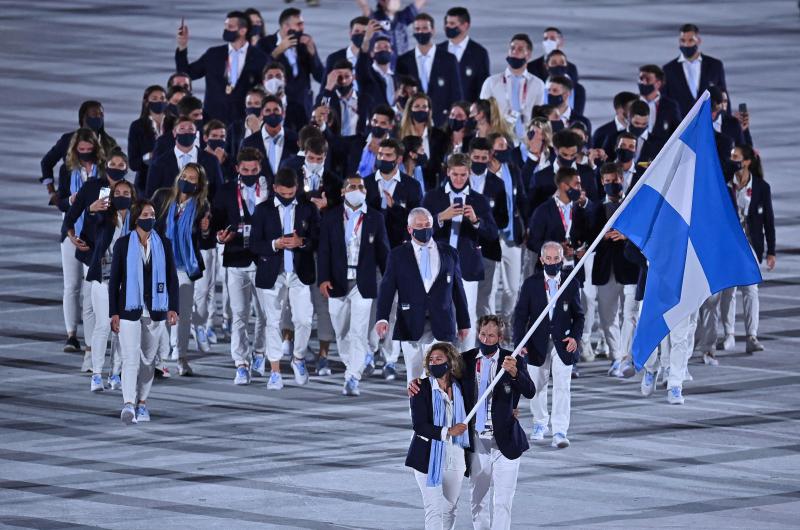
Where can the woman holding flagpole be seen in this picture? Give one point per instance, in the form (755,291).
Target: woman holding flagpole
(440,436)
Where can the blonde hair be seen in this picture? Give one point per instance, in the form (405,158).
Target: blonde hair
(543,124)
(85,135)
(453,358)
(407,125)
(202,188)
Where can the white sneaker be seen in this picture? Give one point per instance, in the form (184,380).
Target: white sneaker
(587,352)
(259,365)
(184,369)
(614,370)
(97,383)
(539,431)
(300,372)
(602,348)
(202,339)
(275,381)
(729,344)
(242,376)
(128,414)
(675,396)
(710,360)
(286,348)
(87,362)
(560,440)
(648,383)
(753,345)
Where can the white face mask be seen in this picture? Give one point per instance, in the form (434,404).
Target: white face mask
(355,198)
(549,45)
(273,86)
(315,167)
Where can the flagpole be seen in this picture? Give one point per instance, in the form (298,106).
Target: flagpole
(672,139)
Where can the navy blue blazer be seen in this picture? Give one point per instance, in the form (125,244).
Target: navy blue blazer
(141,142)
(267,228)
(104,226)
(444,87)
(712,73)
(760,217)
(605,138)
(89,192)
(332,252)
(433,172)
(363,106)
(473,68)
(335,57)
(212,65)
(508,433)
(538,68)
(444,306)
(225,214)
(331,183)
(733,130)
(425,430)
(543,184)
(567,320)
(407,196)
(546,225)
(469,236)
(119,278)
(165,170)
(609,255)
(668,116)
(495,192)
(59,153)
(160,198)
(371,83)
(256,140)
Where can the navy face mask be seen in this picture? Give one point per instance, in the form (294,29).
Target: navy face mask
(420,116)
(636,131)
(115,174)
(439,370)
(95,123)
(187,187)
(121,203)
(612,189)
(422,159)
(257,30)
(229,35)
(478,167)
(284,200)
(185,139)
(552,269)
(573,194)
(456,125)
(515,62)
(146,224)
(502,155)
(487,349)
(157,107)
(688,51)
(556,125)
(385,166)
(423,37)
(645,89)
(252,111)
(452,33)
(472,122)
(736,165)
(87,157)
(564,162)
(423,235)
(357,39)
(377,131)
(214,144)
(383,57)
(556,101)
(273,120)
(623,155)
(249,180)
(557,70)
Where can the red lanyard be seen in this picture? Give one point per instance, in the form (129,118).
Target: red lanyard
(358,223)
(524,91)
(239,199)
(563,219)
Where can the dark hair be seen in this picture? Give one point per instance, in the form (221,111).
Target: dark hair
(425,16)
(342,64)
(306,133)
(689,27)
(119,153)
(627,135)
(244,20)
(384,110)
(748,153)
(288,13)
(189,104)
(378,38)
(286,177)
(566,138)
(136,210)
(562,80)
(484,106)
(411,143)
(621,99)
(653,69)
(610,167)
(363,21)
(542,111)
(85,107)
(213,125)
(408,80)
(316,144)
(492,319)
(553,28)
(172,77)
(491,138)
(553,54)
(524,38)
(271,98)
(249,154)
(147,91)
(257,91)
(461,13)
(171,91)
(349,177)
(564,174)
(274,65)
(392,143)
(480,144)
(639,108)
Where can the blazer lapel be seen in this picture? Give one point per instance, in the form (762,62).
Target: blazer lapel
(417,275)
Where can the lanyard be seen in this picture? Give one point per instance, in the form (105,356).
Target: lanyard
(547,289)
(564,220)
(524,92)
(358,223)
(239,199)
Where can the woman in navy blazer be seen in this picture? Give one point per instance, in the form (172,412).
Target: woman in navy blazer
(437,451)
(140,323)
(144,131)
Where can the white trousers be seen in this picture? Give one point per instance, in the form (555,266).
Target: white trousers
(490,469)
(471,292)
(440,502)
(390,349)
(179,334)
(350,317)
(414,353)
(102,331)
(751,309)
(487,291)
(204,290)
(609,298)
(222,276)
(241,286)
(287,289)
(139,341)
(510,277)
(77,293)
(676,349)
(589,300)
(706,333)
(562,378)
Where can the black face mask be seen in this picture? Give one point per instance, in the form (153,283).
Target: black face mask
(252,111)
(456,125)
(383,57)
(87,157)
(502,155)
(452,33)
(478,167)
(422,159)
(423,235)
(423,37)
(556,125)
(273,120)
(377,131)
(157,107)
(557,70)
(636,131)
(249,180)
(439,370)
(172,109)
(486,349)
(556,101)
(146,224)
(573,194)
(115,174)
(357,39)
(216,144)
(564,162)
(515,62)
(645,89)
(385,166)
(121,203)
(285,201)
(552,269)
(343,90)
(688,51)
(624,155)
(184,186)
(472,122)
(229,35)
(420,116)
(95,123)
(736,165)
(401,102)
(612,189)
(257,30)
(185,139)
(296,34)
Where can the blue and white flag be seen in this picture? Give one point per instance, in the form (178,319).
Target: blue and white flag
(681,217)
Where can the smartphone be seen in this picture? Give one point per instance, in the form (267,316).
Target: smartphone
(104,193)
(385,24)
(228,228)
(459,201)
(742,108)
(182,24)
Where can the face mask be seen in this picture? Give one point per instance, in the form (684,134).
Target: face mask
(284,200)
(612,189)
(564,162)
(688,51)
(357,39)
(557,70)
(549,45)
(423,37)
(172,109)
(252,111)
(422,159)
(249,180)
(230,36)
(487,349)
(420,116)
(383,57)
(115,174)
(502,155)
(401,102)
(423,235)
(556,125)
(472,122)
(439,370)
(552,269)
(455,189)
(515,62)
(636,131)
(121,203)
(156,107)
(296,34)
(94,123)
(378,132)
(185,139)
(273,85)
(646,90)
(256,30)
(452,33)
(573,194)
(314,167)
(184,186)
(273,120)
(456,125)
(343,90)
(355,198)
(623,155)
(198,124)
(385,166)
(146,224)
(478,168)
(216,144)
(556,101)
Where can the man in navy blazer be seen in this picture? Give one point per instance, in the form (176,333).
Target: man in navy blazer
(352,247)
(425,276)
(605,135)
(169,164)
(358,27)
(230,70)
(462,219)
(374,69)
(542,185)
(436,70)
(274,140)
(665,116)
(472,58)
(552,40)
(340,94)
(691,72)
(554,346)
(284,236)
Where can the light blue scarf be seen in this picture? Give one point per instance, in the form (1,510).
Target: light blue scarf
(435,465)
(75,185)
(134,284)
(180,234)
(367,164)
(508,184)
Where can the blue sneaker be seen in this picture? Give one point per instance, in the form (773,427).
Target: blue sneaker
(322,366)
(560,440)
(211,336)
(115,382)
(369,365)
(539,430)
(258,365)
(142,414)
(389,372)
(626,369)
(202,339)
(300,372)
(351,387)
(675,396)
(97,383)
(648,383)
(128,414)
(275,381)
(242,376)
(615,369)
